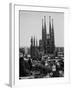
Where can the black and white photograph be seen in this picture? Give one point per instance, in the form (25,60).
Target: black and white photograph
(41,44)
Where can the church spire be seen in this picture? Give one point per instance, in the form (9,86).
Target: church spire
(44,28)
(50,26)
(45,23)
(52,29)
(42,24)
(34,41)
(53,42)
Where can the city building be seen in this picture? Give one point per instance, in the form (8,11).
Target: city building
(48,39)
(47,43)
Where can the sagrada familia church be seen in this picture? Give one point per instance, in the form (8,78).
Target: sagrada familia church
(47,43)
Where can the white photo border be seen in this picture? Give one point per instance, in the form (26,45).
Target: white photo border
(14,62)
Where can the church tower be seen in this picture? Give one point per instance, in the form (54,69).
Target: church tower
(44,33)
(51,32)
(52,38)
(31,47)
(44,28)
(36,43)
(50,26)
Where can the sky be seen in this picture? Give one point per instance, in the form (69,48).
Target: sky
(30,24)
